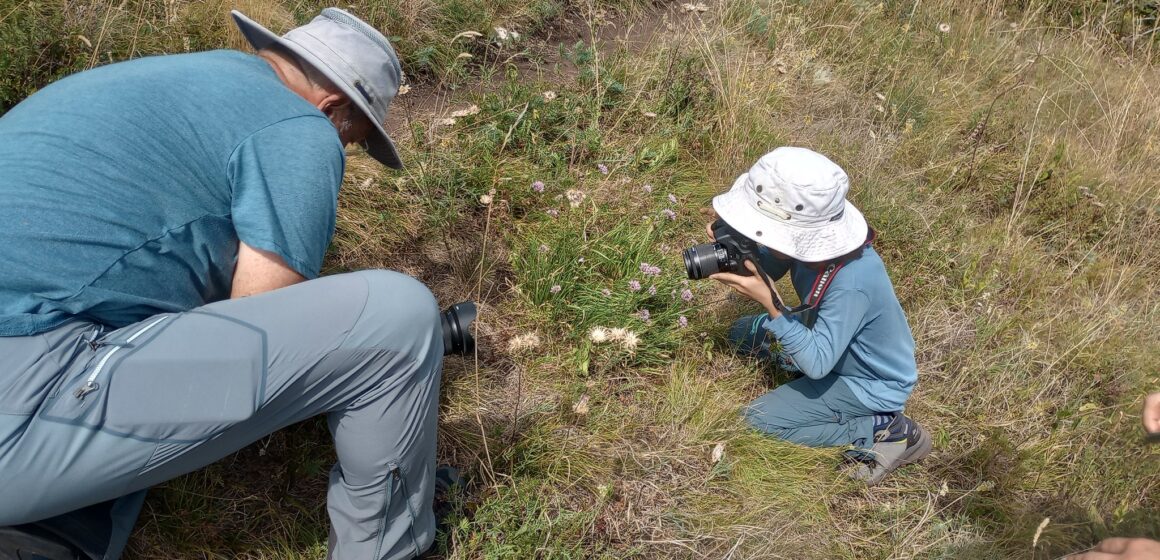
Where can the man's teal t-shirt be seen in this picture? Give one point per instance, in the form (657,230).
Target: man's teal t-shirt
(124,190)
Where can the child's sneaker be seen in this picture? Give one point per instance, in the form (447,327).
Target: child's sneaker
(900,443)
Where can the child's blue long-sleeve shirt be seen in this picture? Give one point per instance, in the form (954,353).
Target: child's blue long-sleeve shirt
(861,332)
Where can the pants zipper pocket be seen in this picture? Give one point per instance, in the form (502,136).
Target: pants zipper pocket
(91,383)
(401,483)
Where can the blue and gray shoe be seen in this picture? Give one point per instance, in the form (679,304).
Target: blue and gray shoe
(900,443)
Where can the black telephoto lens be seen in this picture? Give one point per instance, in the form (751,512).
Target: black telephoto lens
(456,321)
(702,261)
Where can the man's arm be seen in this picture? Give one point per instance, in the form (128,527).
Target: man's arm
(260,271)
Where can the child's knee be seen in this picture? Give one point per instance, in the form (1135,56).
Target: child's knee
(748,336)
(768,415)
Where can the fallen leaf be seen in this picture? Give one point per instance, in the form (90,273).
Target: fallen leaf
(718,453)
(466,112)
(581,406)
(698,7)
(404,89)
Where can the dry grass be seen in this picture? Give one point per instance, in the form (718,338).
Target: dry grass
(1009,164)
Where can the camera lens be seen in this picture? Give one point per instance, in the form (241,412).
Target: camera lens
(456,321)
(702,261)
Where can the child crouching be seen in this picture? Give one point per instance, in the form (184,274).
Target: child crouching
(850,339)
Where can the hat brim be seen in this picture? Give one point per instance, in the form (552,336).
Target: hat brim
(378,144)
(806,243)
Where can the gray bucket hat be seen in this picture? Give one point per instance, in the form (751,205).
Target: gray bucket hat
(353,55)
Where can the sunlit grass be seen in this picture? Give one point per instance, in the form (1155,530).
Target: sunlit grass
(1006,155)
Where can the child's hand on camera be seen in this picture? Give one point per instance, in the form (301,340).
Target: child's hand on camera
(709,232)
(752,287)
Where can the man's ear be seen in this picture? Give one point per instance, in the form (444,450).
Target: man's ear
(332,102)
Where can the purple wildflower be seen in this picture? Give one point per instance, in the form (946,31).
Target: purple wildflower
(687,295)
(553,212)
(652,290)
(647,189)
(682,321)
(603,168)
(668,213)
(634,285)
(672,198)
(556,289)
(643,314)
(649,270)
(544,248)
(538,186)
(606,292)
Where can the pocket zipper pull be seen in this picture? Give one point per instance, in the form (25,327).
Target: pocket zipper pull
(85,389)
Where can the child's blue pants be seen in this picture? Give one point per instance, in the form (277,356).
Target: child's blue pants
(815,412)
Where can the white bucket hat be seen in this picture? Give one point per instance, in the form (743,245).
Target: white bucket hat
(353,55)
(793,200)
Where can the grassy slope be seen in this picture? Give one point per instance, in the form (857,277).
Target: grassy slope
(1008,164)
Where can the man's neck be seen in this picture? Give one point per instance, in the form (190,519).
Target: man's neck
(290,75)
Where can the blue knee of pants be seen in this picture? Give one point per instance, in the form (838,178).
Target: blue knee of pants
(817,413)
(750,338)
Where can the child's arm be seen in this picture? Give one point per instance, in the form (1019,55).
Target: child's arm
(817,351)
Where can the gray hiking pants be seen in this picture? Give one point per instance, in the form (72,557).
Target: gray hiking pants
(83,422)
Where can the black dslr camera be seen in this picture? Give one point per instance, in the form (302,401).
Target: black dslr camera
(727,254)
(456,321)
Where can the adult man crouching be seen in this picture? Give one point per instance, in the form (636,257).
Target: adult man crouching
(142,202)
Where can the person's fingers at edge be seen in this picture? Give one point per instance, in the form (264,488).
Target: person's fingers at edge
(1115,545)
(1092,555)
(1151,414)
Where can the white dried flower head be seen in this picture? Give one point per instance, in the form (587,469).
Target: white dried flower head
(630,341)
(485,199)
(549,95)
(598,335)
(575,197)
(617,334)
(944,28)
(526,341)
